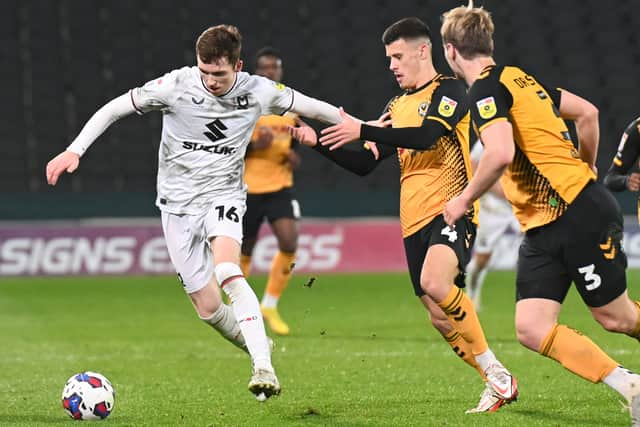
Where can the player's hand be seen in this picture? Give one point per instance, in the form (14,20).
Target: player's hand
(264,138)
(304,134)
(633,181)
(343,133)
(370,145)
(65,161)
(384,121)
(454,209)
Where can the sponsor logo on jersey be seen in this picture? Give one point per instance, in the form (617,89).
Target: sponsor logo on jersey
(487,107)
(422,109)
(197,101)
(215,149)
(447,107)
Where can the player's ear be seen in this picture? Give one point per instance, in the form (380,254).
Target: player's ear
(425,52)
(238,66)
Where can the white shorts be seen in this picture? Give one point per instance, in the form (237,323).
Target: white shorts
(188,236)
(491,227)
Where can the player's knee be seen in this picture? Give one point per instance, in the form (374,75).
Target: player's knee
(226,271)
(288,245)
(529,335)
(429,284)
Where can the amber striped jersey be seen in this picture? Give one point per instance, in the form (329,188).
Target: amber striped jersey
(430,178)
(547,173)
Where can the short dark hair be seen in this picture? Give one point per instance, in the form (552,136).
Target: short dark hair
(268,51)
(406,28)
(221,41)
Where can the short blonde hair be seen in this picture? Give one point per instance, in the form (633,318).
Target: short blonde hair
(469,29)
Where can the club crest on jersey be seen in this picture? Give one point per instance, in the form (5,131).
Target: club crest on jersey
(487,107)
(447,107)
(242,102)
(422,109)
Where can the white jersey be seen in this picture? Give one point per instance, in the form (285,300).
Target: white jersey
(204,137)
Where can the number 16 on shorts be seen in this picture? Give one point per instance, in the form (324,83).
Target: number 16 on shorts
(225,219)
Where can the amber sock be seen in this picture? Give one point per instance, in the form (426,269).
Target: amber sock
(577,353)
(459,309)
(463,350)
(279,276)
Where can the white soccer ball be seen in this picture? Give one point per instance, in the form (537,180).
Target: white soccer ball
(88,396)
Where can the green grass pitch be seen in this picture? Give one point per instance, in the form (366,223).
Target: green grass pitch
(361,353)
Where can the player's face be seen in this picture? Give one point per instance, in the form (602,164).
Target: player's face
(270,67)
(404,62)
(218,77)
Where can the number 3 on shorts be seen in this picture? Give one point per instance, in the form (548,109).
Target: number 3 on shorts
(593,280)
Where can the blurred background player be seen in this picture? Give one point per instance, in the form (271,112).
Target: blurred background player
(573,225)
(494,220)
(270,161)
(623,173)
(430,138)
(209,112)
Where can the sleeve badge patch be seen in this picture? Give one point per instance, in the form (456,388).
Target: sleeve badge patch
(447,107)
(487,107)
(280,86)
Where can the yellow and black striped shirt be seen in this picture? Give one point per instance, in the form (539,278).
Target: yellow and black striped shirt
(547,173)
(430,178)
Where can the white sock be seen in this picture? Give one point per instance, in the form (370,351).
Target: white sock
(247,311)
(623,381)
(269,301)
(479,281)
(486,359)
(475,279)
(224,321)
(470,279)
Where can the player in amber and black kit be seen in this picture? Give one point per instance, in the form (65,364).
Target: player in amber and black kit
(573,225)
(621,175)
(430,138)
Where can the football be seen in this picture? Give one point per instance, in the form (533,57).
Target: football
(88,396)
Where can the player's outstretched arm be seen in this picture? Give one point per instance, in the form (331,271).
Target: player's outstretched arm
(314,109)
(69,160)
(585,116)
(361,161)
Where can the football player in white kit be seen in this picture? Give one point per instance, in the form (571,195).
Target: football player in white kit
(209,112)
(495,218)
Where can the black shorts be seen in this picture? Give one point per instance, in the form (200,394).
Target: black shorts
(437,232)
(273,206)
(582,246)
